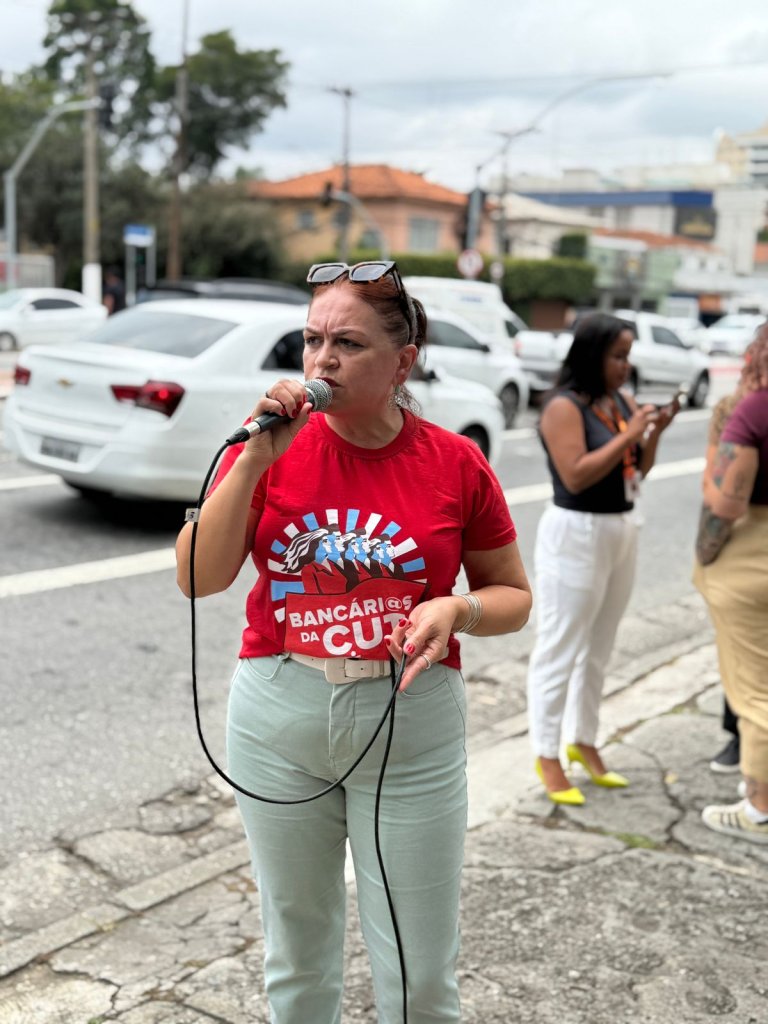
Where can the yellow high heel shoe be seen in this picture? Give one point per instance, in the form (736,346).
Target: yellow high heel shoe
(573,797)
(609,780)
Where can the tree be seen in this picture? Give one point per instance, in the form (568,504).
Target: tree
(230,235)
(231,94)
(104,41)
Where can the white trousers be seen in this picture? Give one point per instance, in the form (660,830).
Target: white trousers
(584,569)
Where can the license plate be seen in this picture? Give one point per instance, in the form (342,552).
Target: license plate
(58,449)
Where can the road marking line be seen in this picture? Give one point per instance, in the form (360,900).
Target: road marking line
(542,492)
(518,434)
(17,482)
(87,572)
(165,558)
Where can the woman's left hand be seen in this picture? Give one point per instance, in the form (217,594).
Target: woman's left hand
(423,637)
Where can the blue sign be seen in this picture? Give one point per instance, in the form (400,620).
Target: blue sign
(139,235)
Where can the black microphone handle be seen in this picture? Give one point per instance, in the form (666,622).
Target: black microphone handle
(319,396)
(257,426)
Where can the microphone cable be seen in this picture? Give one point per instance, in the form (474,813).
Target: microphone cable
(192,515)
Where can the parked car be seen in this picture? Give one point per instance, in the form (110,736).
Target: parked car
(46,316)
(254,289)
(140,407)
(482,305)
(462,351)
(479,302)
(731,334)
(661,360)
(541,355)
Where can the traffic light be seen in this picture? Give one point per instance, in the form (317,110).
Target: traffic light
(326,196)
(107,93)
(474,213)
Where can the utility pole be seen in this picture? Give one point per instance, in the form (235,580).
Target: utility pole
(91,274)
(344,212)
(173,269)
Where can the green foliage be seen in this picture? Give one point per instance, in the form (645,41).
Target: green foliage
(226,234)
(573,245)
(231,94)
(111,38)
(568,280)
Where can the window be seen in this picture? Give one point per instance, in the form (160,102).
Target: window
(663,336)
(305,220)
(287,354)
(448,336)
(423,234)
(44,304)
(178,334)
(370,239)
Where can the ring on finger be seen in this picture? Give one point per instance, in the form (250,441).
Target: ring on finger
(429,663)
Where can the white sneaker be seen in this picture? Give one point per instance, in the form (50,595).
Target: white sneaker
(741,789)
(731,820)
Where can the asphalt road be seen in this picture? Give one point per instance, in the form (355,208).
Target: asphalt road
(95,679)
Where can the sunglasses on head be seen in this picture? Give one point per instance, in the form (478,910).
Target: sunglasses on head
(365,273)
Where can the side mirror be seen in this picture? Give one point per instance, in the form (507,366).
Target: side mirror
(483,347)
(429,376)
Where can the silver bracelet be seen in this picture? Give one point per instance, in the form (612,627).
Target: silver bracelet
(475,613)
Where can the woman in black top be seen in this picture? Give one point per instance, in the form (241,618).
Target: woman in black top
(599,446)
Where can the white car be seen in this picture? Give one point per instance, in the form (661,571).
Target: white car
(662,361)
(46,316)
(140,408)
(457,347)
(731,334)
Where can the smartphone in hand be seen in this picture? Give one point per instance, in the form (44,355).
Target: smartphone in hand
(678,395)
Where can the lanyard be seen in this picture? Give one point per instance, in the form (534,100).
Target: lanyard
(618,425)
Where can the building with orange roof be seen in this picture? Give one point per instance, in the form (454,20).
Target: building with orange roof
(402,208)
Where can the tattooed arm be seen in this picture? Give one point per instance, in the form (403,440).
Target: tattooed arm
(727,489)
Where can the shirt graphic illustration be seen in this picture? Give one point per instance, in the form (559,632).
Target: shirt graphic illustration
(340,589)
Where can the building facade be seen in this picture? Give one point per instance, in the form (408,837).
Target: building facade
(392,211)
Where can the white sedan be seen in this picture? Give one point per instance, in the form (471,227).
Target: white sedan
(140,408)
(731,334)
(46,316)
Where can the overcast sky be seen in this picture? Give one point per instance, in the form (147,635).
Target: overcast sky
(434,80)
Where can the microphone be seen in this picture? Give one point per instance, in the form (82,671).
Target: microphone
(319,396)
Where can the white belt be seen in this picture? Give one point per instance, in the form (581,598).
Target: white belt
(343,670)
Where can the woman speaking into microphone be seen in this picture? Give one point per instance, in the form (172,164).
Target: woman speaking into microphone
(313,502)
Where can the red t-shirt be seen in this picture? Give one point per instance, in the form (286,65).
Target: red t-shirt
(748,425)
(349,539)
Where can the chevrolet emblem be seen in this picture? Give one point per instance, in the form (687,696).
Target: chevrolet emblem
(64,383)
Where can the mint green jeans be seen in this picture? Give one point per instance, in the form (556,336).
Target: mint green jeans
(290,734)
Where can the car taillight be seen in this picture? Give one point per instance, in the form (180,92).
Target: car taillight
(160,395)
(21,376)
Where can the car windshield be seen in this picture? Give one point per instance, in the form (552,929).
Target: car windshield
(177,334)
(11,298)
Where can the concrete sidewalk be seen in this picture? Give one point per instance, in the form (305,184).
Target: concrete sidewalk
(624,909)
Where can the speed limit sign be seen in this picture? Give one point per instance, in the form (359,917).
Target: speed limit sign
(470,263)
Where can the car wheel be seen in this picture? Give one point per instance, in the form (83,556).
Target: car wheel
(697,398)
(480,438)
(510,401)
(7,342)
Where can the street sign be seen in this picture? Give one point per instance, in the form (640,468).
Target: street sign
(470,263)
(139,235)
